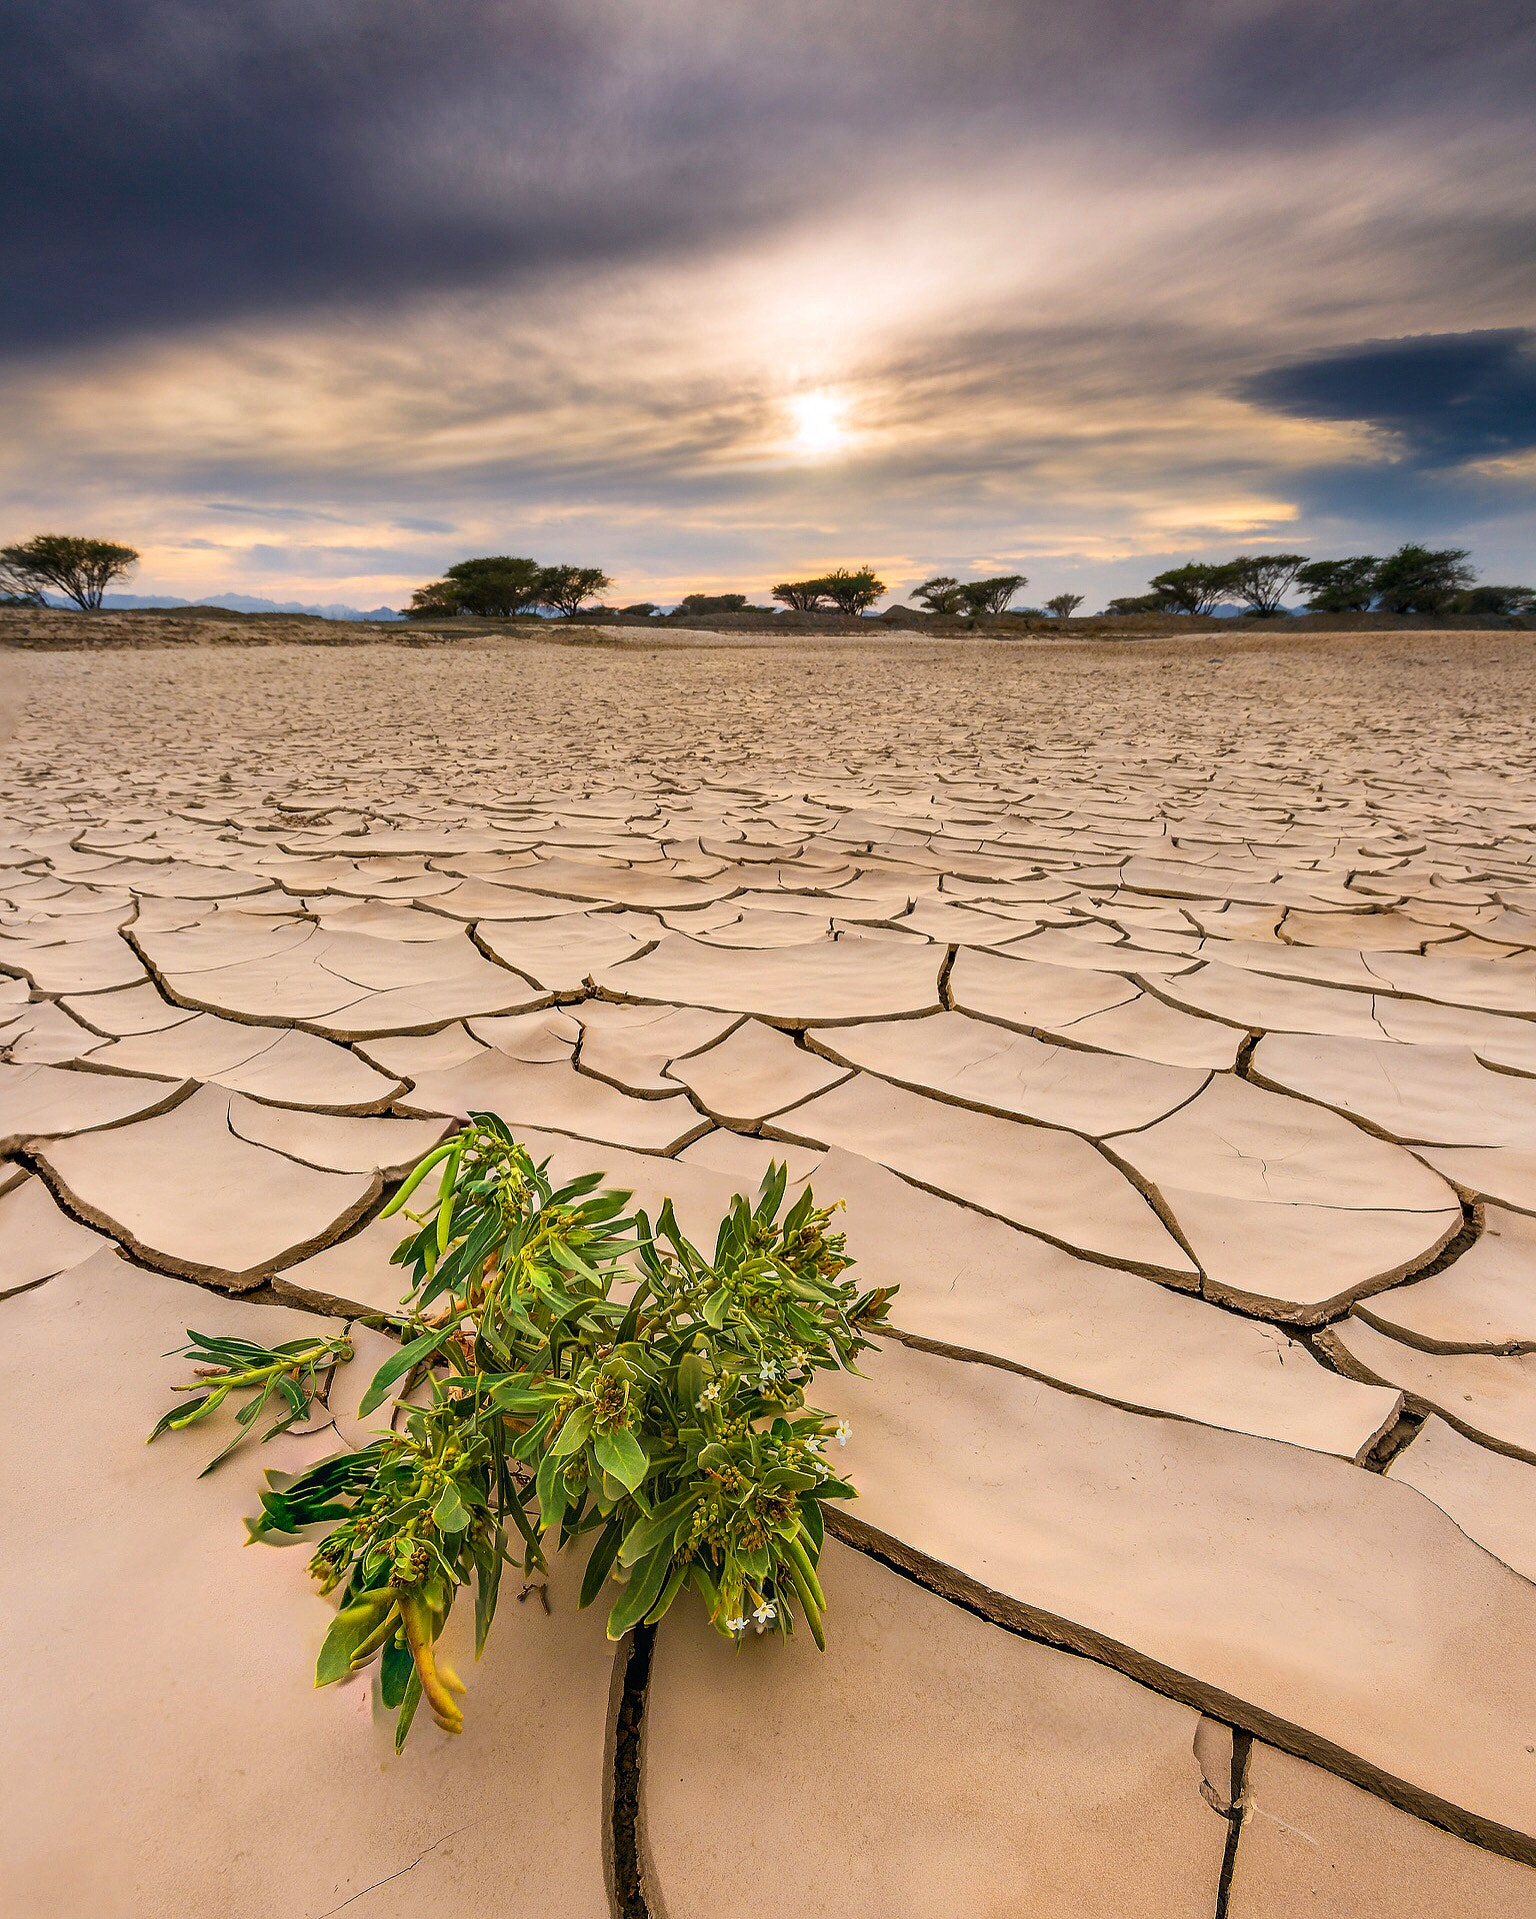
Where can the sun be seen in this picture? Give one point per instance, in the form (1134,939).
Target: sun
(818,421)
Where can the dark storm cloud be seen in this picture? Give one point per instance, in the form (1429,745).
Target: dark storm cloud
(171,161)
(1448,398)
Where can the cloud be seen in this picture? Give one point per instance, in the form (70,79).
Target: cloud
(1447,399)
(171,162)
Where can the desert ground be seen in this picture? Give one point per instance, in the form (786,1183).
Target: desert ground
(1165,1015)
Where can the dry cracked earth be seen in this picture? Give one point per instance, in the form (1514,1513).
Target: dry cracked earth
(1165,1015)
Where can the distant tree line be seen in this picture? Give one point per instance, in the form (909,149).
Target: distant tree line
(1414,579)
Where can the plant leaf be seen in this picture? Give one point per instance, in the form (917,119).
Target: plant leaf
(622,1457)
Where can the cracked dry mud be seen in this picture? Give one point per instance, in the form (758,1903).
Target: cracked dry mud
(1168,1024)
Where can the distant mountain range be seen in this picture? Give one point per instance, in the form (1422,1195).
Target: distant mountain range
(243,603)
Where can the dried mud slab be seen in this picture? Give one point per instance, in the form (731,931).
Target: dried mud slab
(291,1068)
(1186,1557)
(557,1099)
(37,1239)
(1290,1210)
(1312,1844)
(191,1635)
(833,982)
(632,1046)
(1107,1011)
(1485,1300)
(563,954)
(1489,1495)
(1048,1182)
(977,1064)
(981,1762)
(984,1289)
(185,1193)
(1491,1396)
(44,1102)
(1427,1095)
(755,1072)
(341,985)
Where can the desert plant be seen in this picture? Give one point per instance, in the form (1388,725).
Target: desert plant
(438,600)
(1340,586)
(1260,581)
(695,604)
(80,569)
(563,588)
(1504,602)
(800,596)
(1194,588)
(942,594)
(1421,579)
(291,1373)
(987,598)
(1064,605)
(594,1379)
(851,591)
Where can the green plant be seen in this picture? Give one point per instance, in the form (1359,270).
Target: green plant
(590,1378)
(292,1373)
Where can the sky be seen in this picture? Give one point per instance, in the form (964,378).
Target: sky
(308,299)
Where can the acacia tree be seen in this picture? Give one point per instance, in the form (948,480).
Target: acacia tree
(1262,580)
(80,569)
(801,596)
(981,598)
(1506,602)
(1421,579)
(942,594)
(564,588)
(1064,605)
(497,586)
(851,591)
(700,603)
(1341,586)
(1194,588)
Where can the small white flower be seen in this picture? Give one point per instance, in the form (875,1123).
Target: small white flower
(841,1431)
(710,1394)
(765,1615)
(737,1626)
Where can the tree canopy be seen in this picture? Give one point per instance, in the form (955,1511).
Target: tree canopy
(1340,586)
(1194,588)
(1260,581)
(500,586)
(1064,605)
(695,604)
(1421,579)
(80,569)
(849,590)
(973,598)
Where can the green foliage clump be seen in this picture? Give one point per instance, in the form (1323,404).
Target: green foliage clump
(592,1378)
(291,1373)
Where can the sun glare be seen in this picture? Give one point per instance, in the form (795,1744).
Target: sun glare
(818,421)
